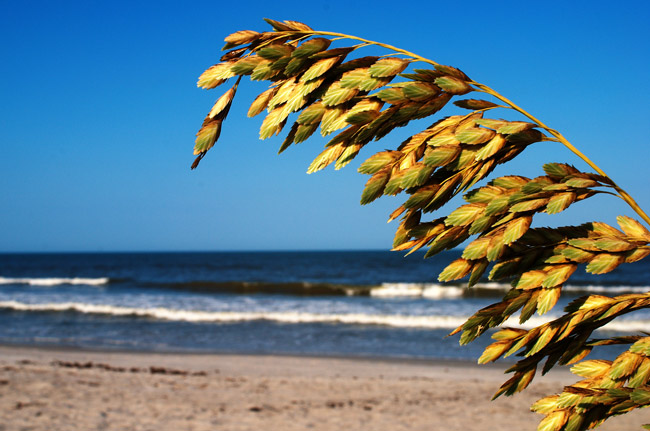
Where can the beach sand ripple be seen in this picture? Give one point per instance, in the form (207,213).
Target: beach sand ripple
(46,389)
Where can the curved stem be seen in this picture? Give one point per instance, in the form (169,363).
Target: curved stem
(370,42)
(484,88)
(560,138)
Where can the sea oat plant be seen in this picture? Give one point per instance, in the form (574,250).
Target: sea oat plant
(364,98)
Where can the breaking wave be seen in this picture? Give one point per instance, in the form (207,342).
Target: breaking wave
(401,321)
(442,291)
(306,288)
(56,281)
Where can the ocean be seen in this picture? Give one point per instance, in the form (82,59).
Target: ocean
(343,303)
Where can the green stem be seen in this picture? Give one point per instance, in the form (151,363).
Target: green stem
(484,88)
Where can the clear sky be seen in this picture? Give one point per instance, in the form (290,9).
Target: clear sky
(100,107)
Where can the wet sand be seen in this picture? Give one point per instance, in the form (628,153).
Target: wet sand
(58,389)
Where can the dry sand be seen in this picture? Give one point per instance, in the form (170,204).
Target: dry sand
(50,389)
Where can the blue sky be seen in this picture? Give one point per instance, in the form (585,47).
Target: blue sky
(100,108)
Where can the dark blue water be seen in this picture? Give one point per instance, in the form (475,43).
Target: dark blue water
(326,303)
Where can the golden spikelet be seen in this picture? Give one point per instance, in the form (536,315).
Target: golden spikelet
(314,85)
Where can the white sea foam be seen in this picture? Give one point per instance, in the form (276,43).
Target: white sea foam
(427,290)
(612,290)
(391,290)
(236,316)
(435,291)
(401,321)
(55,281)
(442,291)
(492,286)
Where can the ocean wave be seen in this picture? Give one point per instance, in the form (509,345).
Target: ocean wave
(444,291)
(600,289)
(433,291)
(424,290)
(162,313)
(56,281)
(384,290)
(296,288)
(305,288)
(398,321)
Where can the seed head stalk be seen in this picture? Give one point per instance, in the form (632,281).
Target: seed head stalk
(511,105)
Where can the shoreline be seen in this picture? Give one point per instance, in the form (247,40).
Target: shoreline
(79,350)
(265,365)
(73,389)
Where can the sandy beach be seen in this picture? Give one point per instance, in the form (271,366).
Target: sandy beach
(55,389)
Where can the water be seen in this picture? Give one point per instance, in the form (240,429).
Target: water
(325,303)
